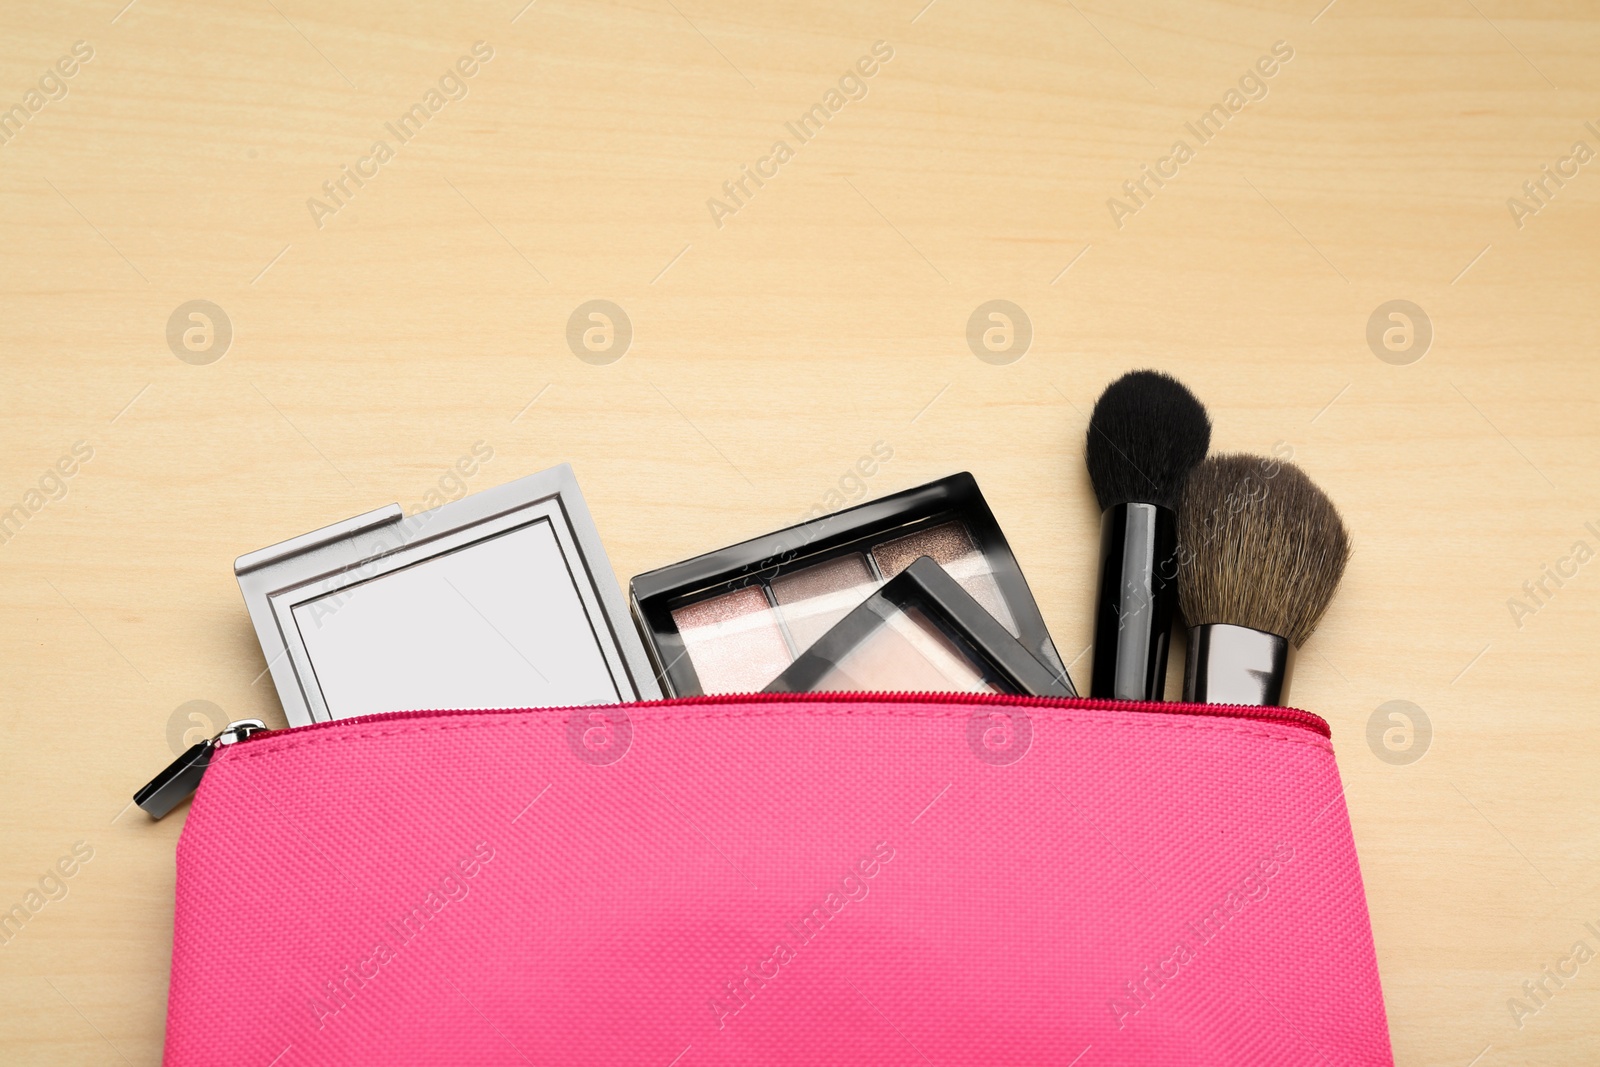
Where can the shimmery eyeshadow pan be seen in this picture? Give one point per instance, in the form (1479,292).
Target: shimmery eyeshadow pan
(734,619)
(734,640)
(812,599)
(952,547)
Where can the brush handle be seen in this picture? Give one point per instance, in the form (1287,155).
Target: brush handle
(1137,599)
(1236,665)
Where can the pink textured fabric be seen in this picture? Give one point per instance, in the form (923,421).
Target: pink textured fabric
(919,881)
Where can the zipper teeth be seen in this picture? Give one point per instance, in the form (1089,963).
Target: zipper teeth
(1281,715)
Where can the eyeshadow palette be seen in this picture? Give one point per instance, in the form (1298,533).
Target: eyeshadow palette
(731,621)
(921,632)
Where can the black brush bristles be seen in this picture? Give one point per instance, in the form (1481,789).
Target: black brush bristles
(1261,546)
(1145,435)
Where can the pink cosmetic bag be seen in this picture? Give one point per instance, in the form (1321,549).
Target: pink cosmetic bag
(931,879)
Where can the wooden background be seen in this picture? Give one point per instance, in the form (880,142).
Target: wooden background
(828,313)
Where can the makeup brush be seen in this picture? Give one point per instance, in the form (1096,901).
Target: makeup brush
(1146,433)
(1263,552)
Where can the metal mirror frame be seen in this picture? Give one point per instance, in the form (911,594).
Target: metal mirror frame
(276,579)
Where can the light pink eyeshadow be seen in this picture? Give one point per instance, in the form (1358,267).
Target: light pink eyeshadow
(818,596)
(734,641)
(907,653)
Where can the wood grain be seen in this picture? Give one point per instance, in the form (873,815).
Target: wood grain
(827,313)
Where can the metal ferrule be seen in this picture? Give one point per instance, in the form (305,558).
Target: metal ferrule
(1236,665)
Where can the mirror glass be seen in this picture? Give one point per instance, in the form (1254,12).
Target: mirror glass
(495,624)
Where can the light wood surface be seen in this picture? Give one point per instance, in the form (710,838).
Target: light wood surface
(828,313)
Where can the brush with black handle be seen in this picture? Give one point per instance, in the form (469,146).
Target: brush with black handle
(1145,435)
(1263,552)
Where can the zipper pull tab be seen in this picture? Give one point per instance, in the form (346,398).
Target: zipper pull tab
(182,777)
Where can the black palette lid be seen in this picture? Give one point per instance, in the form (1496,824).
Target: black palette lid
(926,587)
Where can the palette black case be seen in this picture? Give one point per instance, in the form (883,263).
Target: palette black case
(925,593)
(656,595)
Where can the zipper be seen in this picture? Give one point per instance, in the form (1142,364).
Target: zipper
(182,777)
(1281,716)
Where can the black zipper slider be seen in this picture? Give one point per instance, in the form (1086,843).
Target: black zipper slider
(182,777)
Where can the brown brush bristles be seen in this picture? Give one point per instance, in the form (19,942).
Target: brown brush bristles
(1259,545)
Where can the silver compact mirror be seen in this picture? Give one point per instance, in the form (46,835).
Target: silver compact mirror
(504,598)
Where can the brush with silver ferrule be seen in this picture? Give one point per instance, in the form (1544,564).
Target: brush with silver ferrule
(1263,551)
(1145,435)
